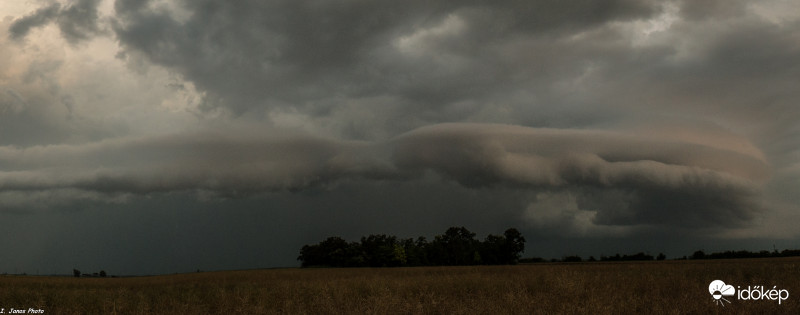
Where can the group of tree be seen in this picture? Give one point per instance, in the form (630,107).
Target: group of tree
(617,257)
(696,255)
(457,246)
(744,254)
(77,274)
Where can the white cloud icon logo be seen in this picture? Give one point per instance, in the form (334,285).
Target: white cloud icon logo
(719,289)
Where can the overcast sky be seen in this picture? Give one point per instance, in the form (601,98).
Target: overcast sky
(144,137)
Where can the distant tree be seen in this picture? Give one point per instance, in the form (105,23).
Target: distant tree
(699,255)
(572,259)
(102,273)
(400,255)
(591,258)
(414,251)
(637,256)
(515,245)
(333,252)
(790,252)
(458,246)
(436,252)
(76,273)
(379,251)
(661,256)
(493,250)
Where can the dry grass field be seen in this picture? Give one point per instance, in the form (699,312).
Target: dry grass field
(667,287)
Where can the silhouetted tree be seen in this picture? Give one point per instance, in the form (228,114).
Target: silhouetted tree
(515,245)
(334,252)
(102,273)
(493,250)
(790,252)
(637,256)
(413,252)
(699,255)
(457,247)
(661,256)
(76,273)
(380,251)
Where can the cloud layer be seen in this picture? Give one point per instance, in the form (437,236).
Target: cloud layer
(626,179)
(77,21)
(575,121)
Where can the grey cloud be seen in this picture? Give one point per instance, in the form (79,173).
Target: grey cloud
(654,176)
(739,71)
(656,180)
(27,114)
(77,21)
(699,10)
(41,17)
(319,57)
(550,18)
(624,121)
(212,162)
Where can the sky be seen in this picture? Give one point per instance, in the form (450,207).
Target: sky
(155,136)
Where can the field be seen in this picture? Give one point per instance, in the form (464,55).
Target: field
(663,287)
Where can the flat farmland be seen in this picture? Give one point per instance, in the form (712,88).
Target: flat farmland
(660,287)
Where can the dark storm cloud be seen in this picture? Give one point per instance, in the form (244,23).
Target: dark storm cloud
(261,54)
(41,17)
(215,162)
(658,180)
(592,122)
(698,10)
(627,179)
(77,21)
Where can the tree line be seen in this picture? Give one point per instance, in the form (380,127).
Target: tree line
(457,246)
(696,255)
(77,274)
(745,254)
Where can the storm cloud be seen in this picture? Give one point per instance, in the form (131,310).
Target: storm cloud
(577,122)
(660,179)
(77,21)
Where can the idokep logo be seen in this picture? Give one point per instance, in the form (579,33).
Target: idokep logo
(719,290)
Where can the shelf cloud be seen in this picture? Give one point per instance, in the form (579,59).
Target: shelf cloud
(613,122)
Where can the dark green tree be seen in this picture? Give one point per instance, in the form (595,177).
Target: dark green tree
(415,251)
(333,252)
(457,246)
(515,245)
(379,251)
(492,249)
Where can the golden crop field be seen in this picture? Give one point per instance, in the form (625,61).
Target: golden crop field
(663,287)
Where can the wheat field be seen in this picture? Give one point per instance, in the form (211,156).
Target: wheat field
(663,287)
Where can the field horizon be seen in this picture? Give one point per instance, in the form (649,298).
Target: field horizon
(664,287)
